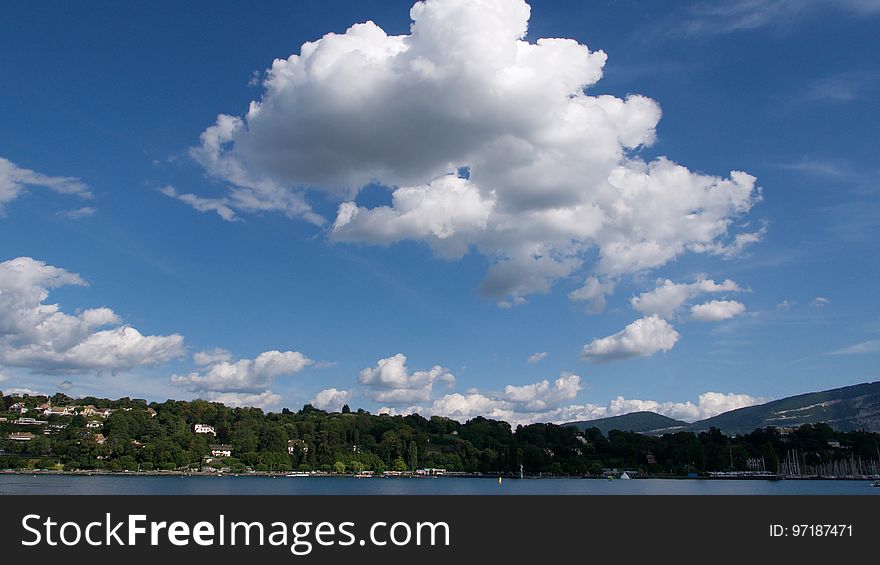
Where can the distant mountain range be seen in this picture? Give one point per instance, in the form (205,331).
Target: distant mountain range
(844,409)
(642,422)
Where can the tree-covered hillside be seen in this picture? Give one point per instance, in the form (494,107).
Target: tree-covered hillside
(129,434)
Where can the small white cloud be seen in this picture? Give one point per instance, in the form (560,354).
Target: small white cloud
(79,213)
(669,297)
(716,18)
(785,305)
(593,293)
(642,338)
(18,391)
(717,310)
(870,346)
(463,407)
(820,301)
(15,180)
(219,205)
(331,399)
(508,304)
(406,411)
(842,87)
(391,383)
(265,399)
(543,396)
(244,375)
(211,356)
(536,357)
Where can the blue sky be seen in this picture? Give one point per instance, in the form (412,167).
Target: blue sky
(331,232)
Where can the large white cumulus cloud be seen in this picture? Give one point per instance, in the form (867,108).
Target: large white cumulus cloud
(552,176)
(642,338)
(41,337)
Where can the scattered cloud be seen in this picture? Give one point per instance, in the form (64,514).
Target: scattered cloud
(79,213)
(842,87)
(554,180)
(211,356)
(870,346)
(40,337)
(537,402)
(593,293)
(786,305)
(820,302)
(552,402)
(248,378)
(219,205)
(331,399)
(390,382)
(830,169)
(544,395)
(18,391)
(731,16)
(265,399)
(15,180)
(642,338)
(717,310)
(708,404)
(65,385)
(668,297)
(536,357)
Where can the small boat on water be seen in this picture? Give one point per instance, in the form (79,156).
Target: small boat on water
(624,476)
(875,484)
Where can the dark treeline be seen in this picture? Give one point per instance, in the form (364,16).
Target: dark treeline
(160,436)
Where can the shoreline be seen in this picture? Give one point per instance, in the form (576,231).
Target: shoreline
(462,475)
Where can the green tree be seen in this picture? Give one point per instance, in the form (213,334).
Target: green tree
(340,467)
(273,438)
(412,453)
(399,464)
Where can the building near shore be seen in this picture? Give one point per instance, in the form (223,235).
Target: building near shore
(221,451)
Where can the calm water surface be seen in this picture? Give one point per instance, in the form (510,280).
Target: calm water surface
(65,484)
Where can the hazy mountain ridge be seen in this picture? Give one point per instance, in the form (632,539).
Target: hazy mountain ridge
(643,422)
(844,409)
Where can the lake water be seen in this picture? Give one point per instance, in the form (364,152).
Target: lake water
(151,485)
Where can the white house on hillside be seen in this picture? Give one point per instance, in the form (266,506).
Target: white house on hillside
(204,429)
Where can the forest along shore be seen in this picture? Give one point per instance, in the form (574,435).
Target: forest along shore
(59,434)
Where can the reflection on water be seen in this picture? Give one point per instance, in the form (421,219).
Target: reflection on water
(65,484)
